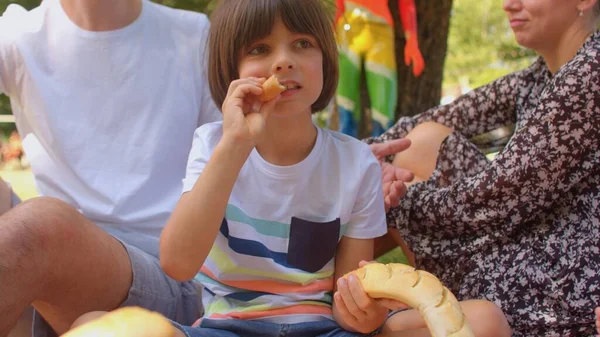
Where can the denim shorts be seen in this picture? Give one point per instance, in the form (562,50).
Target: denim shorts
(151,289)
(245,328)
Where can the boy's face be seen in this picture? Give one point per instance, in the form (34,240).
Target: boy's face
(297,62)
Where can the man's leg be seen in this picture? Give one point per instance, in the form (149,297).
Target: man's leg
(6,197)
(54,258)
(23,327)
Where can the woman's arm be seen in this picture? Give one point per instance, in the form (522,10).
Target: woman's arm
(481,110)
(546,157)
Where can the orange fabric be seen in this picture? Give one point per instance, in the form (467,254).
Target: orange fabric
(275,287)
(294,310)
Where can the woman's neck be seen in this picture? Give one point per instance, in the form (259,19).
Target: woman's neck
(558,55)
(287,141)
(102,15)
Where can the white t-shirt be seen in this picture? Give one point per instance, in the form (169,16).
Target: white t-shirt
(273,258)
(108,117)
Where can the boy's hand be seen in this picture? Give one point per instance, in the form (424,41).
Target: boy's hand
(244,116)
(356,308)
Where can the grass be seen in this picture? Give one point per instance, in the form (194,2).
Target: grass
(21,181)
(393,256)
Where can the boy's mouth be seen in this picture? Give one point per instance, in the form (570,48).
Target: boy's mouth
(290,85)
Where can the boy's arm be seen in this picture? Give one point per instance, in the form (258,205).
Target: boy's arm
(193,226)
(352,309)
(349,253)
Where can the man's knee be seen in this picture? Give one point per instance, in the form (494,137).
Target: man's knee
(5,197)
(33,230)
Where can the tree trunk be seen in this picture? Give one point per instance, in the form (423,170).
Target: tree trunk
(417,94)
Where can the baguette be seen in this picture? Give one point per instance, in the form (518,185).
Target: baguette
(420,290)
(271,88)
(126,322)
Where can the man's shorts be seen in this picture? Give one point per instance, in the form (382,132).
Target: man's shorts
(151,289)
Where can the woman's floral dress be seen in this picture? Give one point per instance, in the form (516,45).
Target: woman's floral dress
(522,231)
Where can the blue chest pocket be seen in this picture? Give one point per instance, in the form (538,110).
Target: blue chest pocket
(312,244)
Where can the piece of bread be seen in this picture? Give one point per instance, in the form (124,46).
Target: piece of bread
(420,290)
(126,322)
(271,88)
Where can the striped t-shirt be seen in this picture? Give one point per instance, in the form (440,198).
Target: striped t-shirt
(273,258)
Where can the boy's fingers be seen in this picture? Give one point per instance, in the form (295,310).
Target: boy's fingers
(267,108)
(349,301)
(363,302)
(343,310)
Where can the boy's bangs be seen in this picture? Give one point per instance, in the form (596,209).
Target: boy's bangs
(297,18)
(249,29)
(300,19)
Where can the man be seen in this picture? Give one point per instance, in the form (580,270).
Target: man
(106,94)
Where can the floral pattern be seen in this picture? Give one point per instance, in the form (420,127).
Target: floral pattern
(522,231)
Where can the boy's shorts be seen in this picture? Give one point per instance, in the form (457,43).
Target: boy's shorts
(150,289)
(249,328)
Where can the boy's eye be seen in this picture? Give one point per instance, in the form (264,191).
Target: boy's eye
(258,50)
(303,44)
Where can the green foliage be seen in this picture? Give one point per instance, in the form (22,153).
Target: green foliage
(28,4)
(481,46)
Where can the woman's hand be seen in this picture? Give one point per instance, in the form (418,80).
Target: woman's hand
(244,116)
(394,179)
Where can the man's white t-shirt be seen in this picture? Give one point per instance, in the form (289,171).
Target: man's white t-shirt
(107,118)
(273,258)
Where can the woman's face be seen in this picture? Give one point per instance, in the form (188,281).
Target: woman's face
(541,24)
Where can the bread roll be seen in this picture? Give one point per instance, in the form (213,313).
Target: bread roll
(271,88)
(420,290)
(126,322)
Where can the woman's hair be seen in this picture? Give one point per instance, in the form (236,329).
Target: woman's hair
(236,24)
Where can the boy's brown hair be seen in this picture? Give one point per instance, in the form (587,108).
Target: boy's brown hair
(235,24)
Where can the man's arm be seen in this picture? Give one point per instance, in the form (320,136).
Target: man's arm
(11,22)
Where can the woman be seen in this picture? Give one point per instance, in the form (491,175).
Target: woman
(521,231)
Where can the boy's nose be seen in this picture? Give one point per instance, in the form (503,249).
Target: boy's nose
(281,67)
(283,63)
